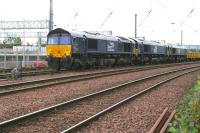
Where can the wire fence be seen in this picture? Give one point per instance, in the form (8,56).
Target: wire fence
(28,61)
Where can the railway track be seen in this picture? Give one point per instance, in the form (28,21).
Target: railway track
(2,80)
(30,73)
(3,76)
(161,125)
(77,112)
(37,84)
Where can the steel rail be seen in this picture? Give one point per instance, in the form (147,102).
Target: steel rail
(11,88)
(159,122)
(2,80)
(32,73)
(30,115)
(123,102)
(165,126)
(162,122)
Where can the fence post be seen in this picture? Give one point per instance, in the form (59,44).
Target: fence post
(17,61)
(4,61)
(27,61)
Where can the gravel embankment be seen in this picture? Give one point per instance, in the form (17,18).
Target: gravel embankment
(21,103)
(139,115)
(69,116)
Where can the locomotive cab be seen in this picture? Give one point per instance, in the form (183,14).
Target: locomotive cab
(59,48)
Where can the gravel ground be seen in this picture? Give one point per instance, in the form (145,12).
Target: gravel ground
(58,120)
(21,103)
(138,116)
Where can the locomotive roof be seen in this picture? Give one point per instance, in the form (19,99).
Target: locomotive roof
(84,34)
(153,43)
(100,36)
(58,30)
(135,40)
(177,46)
(125,40)
(77,34)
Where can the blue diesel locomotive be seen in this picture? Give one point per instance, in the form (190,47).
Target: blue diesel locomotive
(72,49)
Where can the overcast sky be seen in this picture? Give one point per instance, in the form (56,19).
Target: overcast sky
(163,23)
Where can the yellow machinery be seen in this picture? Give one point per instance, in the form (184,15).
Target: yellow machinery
(193,55)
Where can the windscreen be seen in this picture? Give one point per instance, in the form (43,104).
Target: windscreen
(59,40)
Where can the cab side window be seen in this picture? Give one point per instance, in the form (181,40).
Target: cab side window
(75,44)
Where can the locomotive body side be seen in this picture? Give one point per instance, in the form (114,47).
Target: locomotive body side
(70,49)
(83,49)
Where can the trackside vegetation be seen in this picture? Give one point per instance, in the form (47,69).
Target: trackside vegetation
(187,119)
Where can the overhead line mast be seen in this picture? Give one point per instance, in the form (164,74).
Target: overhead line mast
(51,16)
(183,23)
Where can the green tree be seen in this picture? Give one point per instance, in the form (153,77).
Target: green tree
(15,41)
(10,42)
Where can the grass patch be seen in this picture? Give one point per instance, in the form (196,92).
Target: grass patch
(187,119)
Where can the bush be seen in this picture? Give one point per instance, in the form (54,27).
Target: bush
(187,119)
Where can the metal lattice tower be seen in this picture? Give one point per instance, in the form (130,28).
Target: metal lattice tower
(23,34)
(17,28)
(36,28)
(17,25)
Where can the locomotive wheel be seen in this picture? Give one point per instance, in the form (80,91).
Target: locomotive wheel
(54,64)
(58,65)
